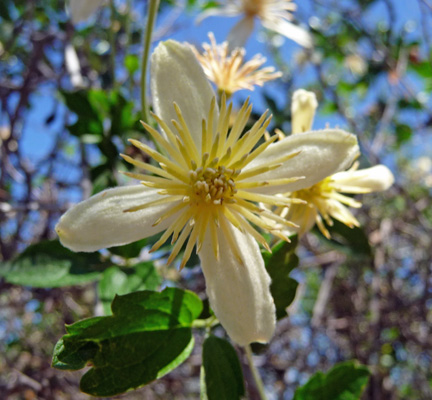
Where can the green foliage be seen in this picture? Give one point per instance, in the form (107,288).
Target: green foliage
(49,264)
(403,133)
(352,241)
(345,381)
(148,335)
(222,369)
(118,281)
(132,63)
(131,250)
(279,264)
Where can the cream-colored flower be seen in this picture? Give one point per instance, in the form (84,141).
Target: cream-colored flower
(356,64)
(303,108)
(228,70)
(80,10)
(204,188)
(325,199)
(274,15)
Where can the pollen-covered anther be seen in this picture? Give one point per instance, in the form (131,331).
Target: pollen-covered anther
(212,185)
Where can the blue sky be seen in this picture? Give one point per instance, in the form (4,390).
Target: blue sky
(38,137)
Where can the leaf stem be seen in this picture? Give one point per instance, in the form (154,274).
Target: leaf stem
(205,323)
(153,6)
(256,376)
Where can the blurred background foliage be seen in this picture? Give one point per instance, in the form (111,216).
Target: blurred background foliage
(365,294)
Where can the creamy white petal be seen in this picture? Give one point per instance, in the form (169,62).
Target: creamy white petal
(228,11)
(101,220)
(303,106)
(289,30)
(240,33)
(81,9)
(73,66)
(239,292)
(322,153)
(178,77)
(374,179)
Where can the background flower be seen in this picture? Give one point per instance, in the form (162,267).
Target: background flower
(227,69)
(274,15)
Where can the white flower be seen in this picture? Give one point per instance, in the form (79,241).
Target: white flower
(204,188)
(82,9)
(274,15)
(303,108)
(325,199)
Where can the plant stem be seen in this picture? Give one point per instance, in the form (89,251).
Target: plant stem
(112,40)
(205,323)
(256,376)
(153,6)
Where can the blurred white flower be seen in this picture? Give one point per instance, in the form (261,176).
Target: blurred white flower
(82,9)
(356,64)
(274,15)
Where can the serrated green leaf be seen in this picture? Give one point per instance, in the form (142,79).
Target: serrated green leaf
(223,373)
(49,264)
(279,264)
(148,335)
(117,281)
(345,381)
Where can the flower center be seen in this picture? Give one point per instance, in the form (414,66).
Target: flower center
(212,185)
(312,194)
(253,8)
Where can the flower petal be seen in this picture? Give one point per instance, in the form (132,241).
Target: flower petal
(238,290)
(289,30)
(81,9)
(230,10)
(101,220)
(372,179)
(322,153)
(177,76)
(240,33)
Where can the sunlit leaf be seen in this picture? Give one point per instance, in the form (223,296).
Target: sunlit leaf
(345,381)
(49,264)
(148,335)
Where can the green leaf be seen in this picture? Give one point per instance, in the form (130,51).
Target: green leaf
(223,373)
(148,335)
(279,264)
(132,63)
(345,381)
(49,264)
(424,69)
(122,116)
(122,281)
(347,240)
(130,250)
(403,133)
(90,120)
(4,11)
